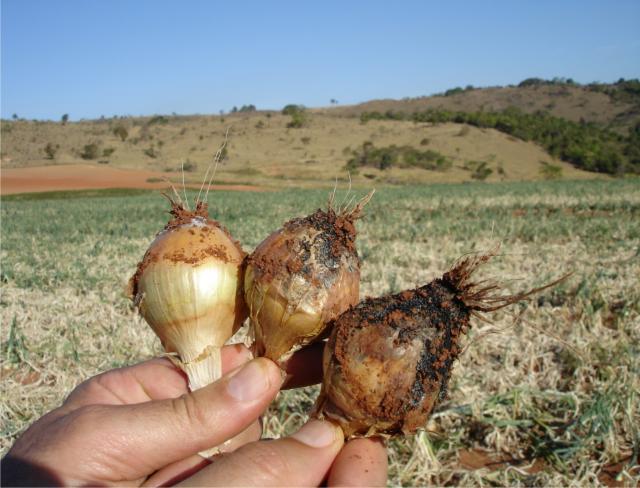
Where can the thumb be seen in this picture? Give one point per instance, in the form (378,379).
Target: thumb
(303,459)
(153,434)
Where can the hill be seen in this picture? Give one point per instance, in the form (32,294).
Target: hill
(312,147)
(614,106)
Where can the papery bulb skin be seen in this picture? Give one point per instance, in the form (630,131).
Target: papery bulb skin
(299,278)
(188,287)
(388,361)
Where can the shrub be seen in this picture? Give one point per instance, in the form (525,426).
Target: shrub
(121,132)
(108,151)
(480,170)
(151,152)
(50,150)
(189,166)
(298,120)
(89,151)
(305,140)
(158,119)
(429,159)
(550,171)
(403,156)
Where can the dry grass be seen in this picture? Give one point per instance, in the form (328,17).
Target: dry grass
(551,393)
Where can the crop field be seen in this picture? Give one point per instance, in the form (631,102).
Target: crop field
(547,393)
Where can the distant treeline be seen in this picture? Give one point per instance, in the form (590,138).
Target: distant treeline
(585,145)
(622,90)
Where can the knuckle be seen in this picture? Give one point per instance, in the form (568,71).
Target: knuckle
(100,386)
(190,411)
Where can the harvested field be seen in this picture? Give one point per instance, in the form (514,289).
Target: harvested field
(547,394)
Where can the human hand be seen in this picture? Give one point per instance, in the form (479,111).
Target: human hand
(140,426)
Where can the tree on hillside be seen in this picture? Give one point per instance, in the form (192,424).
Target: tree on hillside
(292,108)
(64,119)
(532,82)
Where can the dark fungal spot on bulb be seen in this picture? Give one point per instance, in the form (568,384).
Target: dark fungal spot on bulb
(388,361)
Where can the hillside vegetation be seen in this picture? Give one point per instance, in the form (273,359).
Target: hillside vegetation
(585,145)
(537,130)
(615,106)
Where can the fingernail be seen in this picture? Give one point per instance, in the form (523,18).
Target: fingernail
(250,382)
(317,433)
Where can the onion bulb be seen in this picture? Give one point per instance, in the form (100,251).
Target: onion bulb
(388,360)
(301,277)
(188,287)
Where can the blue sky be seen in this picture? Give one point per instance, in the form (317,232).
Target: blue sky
(90,58)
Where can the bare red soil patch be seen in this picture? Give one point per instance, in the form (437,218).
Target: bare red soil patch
(87,177)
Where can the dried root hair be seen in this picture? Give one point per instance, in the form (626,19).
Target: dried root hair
(179,204)
(180,210)
(484,296)
(349,210)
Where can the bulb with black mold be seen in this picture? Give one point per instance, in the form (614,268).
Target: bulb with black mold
(388,360)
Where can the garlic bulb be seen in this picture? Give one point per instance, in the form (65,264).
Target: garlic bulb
(388,360)
(299,278)
(188,287)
